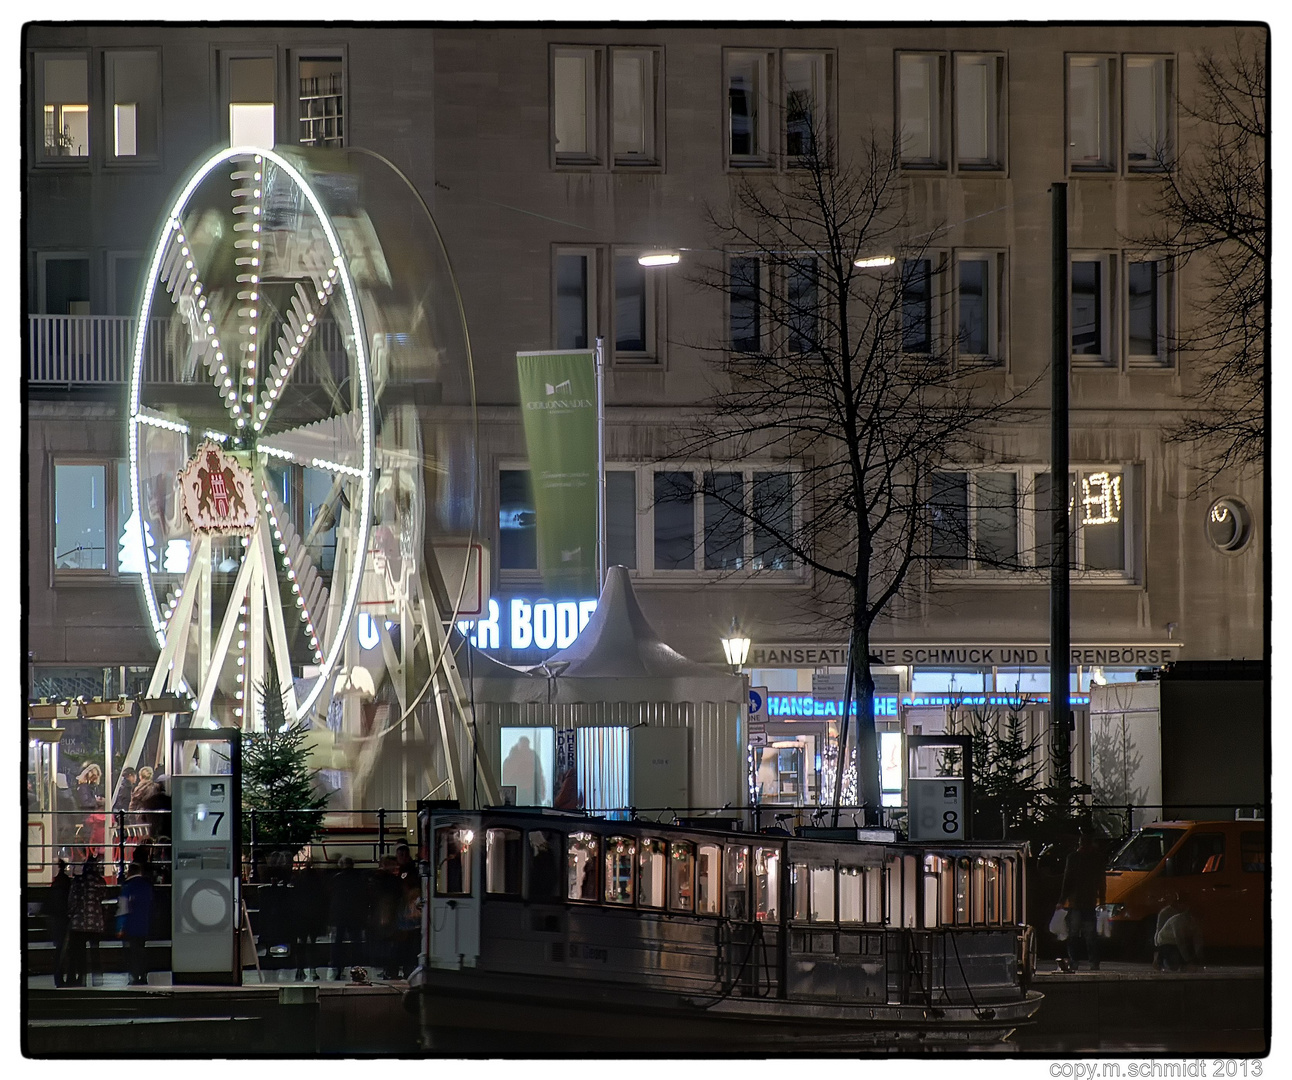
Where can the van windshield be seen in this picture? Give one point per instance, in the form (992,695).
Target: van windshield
(1145,849)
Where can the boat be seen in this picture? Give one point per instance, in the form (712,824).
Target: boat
(557,932)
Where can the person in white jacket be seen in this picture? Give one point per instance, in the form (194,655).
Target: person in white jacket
(1178,941)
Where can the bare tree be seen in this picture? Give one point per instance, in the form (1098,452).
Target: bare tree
(1211,206)
(843,370)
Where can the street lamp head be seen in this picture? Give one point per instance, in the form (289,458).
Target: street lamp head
(736,646)
(869,261)
(659,258)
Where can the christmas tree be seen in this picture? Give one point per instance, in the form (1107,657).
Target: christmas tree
(277,782)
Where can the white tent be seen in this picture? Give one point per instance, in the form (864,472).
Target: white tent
(653,728)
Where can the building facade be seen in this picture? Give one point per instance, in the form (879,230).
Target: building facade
(552,158)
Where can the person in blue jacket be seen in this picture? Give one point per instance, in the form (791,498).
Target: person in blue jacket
(137,892)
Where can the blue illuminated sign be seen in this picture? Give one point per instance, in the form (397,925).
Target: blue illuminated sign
(792,705)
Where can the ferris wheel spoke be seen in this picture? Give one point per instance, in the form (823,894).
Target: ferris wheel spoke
(300,319)
(224,639)
(332,443)
(292,559)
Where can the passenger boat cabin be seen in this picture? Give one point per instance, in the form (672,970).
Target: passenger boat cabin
(538,893)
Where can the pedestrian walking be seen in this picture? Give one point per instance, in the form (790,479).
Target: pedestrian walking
(85,921)
(387,893)
(135,911)
(1082,892)
(309,917)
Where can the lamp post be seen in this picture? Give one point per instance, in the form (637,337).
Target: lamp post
(736,646)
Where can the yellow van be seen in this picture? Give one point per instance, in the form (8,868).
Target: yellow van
(1217,867)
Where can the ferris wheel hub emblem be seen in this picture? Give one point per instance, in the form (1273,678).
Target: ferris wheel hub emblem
(217,492)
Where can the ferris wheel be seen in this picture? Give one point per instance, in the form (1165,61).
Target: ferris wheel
(250,430)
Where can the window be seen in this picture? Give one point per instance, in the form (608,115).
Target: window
(1099,506)
(681,876)
(978,298)
(132,85)
(632,302)
(518,520)
(635,76)
(978,82)
(453,861)
(81,517)
(745,304)
(708,880)
(962,891)
(63,283)
(919,102)
(850,894)
(1090,80)
(1229,524)
(320,89)
(580,90)
(735,881)
(576,77)
(544,869)
(767,884)
(991,892)
(581,866)
(527,755)
(747,108)
(801,297)
(250,82)
(502,862)
(123,281)
(64,82)
(1197,853)
(1091,288)
(822,890)
(1147,111)
(1148,307)
(806,103)
(975,520)
(621,854)
(744,516)
(1252,852)
(917,305)
(651,869)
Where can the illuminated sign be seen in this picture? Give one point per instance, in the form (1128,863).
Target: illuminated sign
(985,655)
(794,705)
(523,624)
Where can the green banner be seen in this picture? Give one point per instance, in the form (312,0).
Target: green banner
(558,398)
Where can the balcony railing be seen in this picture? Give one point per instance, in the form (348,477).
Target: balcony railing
(97,350)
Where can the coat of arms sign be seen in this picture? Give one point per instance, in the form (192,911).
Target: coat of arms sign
(218,492)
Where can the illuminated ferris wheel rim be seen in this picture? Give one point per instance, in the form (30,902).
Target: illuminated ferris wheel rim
(168,231)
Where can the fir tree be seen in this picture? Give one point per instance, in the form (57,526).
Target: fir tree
(276,781)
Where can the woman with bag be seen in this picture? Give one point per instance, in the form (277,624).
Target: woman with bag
(134,918)
(85,920)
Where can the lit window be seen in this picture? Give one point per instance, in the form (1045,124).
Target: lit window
(80,517)
(747,141)
(735,882)
(621,854)
(66,121)
(575,78)
(919,95)
(653,874)
(453,861)
(133,92)
(767,884)
(320,84)
(633,88)
(850,894)
(708,878)
(528,754)
(581,866)
(977,100)
(681,876)
(1229,524)
(1148,94)
(822,887)
(251,101)
(1099,505)
(1090,112)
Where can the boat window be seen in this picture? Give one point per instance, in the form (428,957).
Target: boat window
(708,875)
(767,884)
(736,881)
(544,865)
(621,853)
(502,862)
(1008,887)
(453,861)
(799,891)
(581,866)
(822,893)
(934,867)
(850,906)
(978,890)
(910,874)
(991,892)
(875,895)
(962,892)
(681,874)
(650,889)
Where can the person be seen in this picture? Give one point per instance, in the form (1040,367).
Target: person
(125,789)
(56,914)
(408,871)
(137,898)
(89,800)
(347,913)
(523,771)
(1177,942)
(387,894)
(85,920)
(408,926)
(309,917)
(1082,891)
